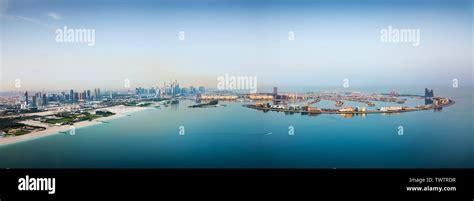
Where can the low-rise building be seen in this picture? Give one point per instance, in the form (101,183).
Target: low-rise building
(294,107)
(347,109)
(218,97)
(361,109)
(277,107)
(391,109)
(443,101)
(260,97)
(314,109)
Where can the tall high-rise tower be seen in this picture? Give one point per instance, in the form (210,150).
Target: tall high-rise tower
(71,95)
(26,97)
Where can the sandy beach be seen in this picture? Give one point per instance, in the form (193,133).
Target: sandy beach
(120,111)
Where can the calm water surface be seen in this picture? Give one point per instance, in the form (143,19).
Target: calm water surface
(235,136)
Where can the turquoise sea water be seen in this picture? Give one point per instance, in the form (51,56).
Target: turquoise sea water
(234,136)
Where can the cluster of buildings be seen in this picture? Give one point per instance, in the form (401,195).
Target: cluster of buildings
(33,101)
(41,100)
(392,109)
(286,107)
(168,90)
(440,101)
(434,102)
(217,97)
(353,109)
(261,97)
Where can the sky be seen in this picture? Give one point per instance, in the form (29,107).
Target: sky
(139,41)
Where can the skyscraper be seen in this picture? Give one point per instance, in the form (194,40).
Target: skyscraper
(88,94)
(202,89)
(429,93)
(26,97)
(71,96)
(33,103)
(192,90)
(428,96)
(45,100)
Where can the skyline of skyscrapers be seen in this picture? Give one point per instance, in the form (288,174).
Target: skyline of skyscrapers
(168,89)
(42,99)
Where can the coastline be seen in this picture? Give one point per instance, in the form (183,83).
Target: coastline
(120,111)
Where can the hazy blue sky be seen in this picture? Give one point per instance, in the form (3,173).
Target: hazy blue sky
(138,40)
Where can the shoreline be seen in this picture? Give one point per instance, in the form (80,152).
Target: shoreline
(120,111)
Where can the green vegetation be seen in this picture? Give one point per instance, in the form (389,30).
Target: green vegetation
(31,110)
(12,127)
(134,103)
(70,118)
(59,121)
(158,99)
(18,132)
(9,123)
(211,103)
(104,113)
(144,104)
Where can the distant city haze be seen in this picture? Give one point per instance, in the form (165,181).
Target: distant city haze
(140,41)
